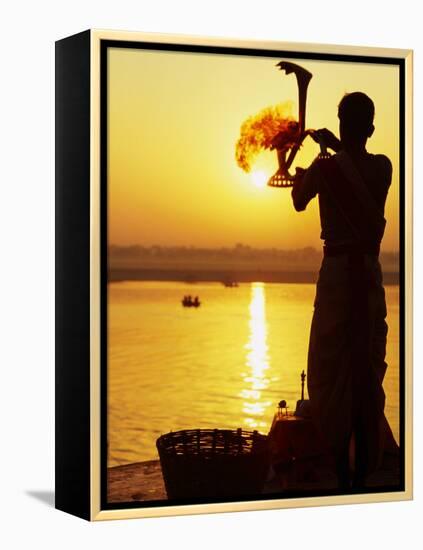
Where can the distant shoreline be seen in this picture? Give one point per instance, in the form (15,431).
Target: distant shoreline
(223,276)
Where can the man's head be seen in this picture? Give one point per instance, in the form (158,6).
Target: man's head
(356,112)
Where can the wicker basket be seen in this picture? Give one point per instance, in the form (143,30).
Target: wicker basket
(213,463)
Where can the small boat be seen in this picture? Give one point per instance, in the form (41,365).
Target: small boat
(187,301)
(230,284)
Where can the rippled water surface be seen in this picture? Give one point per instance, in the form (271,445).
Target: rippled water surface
(226,364)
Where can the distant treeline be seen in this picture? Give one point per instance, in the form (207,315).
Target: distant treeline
(307,255)
(240,263)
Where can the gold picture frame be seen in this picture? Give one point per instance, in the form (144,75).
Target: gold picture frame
(81,247)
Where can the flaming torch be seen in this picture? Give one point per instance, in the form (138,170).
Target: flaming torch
(275,129)
(258,132)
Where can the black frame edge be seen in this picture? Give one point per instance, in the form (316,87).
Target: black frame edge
(72,293)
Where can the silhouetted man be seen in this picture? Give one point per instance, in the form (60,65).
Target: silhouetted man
(346,360)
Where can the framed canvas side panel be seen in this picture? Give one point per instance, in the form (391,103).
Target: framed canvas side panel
(408,269)
(72,383)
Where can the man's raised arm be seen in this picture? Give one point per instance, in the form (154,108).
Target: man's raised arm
(305,187)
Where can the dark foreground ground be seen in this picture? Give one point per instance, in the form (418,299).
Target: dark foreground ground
(143,481)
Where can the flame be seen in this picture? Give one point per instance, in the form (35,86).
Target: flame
(272,127)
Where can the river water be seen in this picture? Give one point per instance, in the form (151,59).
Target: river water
(225,364)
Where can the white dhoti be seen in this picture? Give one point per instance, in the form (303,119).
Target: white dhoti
(346,360)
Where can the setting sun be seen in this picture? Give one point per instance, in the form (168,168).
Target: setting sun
(259,178)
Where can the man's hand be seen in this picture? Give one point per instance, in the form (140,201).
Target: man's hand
(299,174)
(328,138)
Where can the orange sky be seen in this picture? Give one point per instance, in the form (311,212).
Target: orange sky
(174,120)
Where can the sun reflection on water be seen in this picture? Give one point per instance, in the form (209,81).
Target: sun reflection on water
(257,360)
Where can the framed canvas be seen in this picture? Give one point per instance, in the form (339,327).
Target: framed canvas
(233,275)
